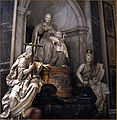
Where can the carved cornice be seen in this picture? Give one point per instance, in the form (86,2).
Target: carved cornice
(77,29)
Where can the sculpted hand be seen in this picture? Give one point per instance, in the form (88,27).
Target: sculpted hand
(16,82)
(31,66)
(46,66)
(85,82)
(95,80)
(45,28)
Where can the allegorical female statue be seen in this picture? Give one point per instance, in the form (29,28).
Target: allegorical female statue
(90,76)
(41,35)
(24,83)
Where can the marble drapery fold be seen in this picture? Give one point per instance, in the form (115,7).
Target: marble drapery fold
(22,87)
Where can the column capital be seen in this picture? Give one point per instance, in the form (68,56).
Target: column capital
(23,11)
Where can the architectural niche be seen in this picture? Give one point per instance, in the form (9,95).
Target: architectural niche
(68,17)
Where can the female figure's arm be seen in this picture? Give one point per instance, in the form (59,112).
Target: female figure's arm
(78,73)
(23,69)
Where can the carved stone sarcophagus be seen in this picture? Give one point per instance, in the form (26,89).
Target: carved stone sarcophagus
(60,78)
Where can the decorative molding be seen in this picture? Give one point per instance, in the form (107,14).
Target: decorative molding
(78,12)
(79,29)
(3,70)
(24,3)
(109,19)
(4,63)
(87,11)
(7,26)
(13,39)
(111,51)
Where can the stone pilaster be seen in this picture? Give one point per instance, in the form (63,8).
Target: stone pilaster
(19,28)
(20,31)
(103,41)
(0,57)
(82,43)
(89,24)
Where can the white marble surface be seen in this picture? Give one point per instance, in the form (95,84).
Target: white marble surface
(63,15)
(72,44)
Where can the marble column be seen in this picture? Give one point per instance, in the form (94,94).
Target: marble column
(19,28)
(103,42)
(13,39)
(89,24)
(0,57)
(82,43)
(20,31)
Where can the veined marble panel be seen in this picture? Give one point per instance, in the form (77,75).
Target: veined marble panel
(63,15)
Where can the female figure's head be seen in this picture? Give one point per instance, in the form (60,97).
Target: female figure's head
(89,56)
(29,51)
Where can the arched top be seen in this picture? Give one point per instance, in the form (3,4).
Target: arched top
(24,3)
(78,12)
(67,14)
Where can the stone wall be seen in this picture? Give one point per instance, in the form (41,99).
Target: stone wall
(6,9)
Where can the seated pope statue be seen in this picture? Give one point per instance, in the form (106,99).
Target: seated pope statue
(24,83)
(42,32)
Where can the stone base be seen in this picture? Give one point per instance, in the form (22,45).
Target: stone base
(78,106)
(60,77)
(66,107)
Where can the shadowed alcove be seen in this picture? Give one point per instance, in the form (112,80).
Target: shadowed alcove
(68,17)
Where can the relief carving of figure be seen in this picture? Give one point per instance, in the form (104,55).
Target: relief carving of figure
(23,86)
(92,77)
(62,53)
